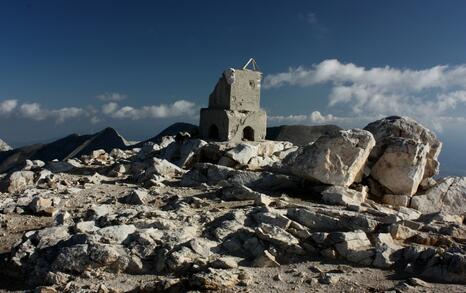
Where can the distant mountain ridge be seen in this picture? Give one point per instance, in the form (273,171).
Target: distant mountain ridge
(73,145)
(300,134)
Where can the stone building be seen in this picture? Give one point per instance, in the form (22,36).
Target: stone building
(234,112)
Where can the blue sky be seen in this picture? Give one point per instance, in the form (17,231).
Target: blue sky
(79,66)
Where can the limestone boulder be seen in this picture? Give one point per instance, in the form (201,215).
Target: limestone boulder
(448,196)
(405,127)
(385,247)
(163,168)
(242,153)
(136,197)
(336,159)
(20,180)
(401,167)
(353,246)
(116,234)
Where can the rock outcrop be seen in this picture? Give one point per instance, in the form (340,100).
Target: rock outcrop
(333,159)
(448,196)
(201,215)
(69,147)
(404,157)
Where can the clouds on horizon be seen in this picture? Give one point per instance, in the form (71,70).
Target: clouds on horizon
(111,109)
(427,95)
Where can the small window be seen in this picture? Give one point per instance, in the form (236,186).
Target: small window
(248,133)
(252,83)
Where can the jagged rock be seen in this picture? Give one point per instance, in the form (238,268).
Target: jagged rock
(182,259)
(405,127)
(50,236)
(343,196)
(40,205)
(189,152)
(163,168)
(63,166)
(401,166)
(224,263)
(265,259)
(239,192)
(448,196)
(203,246)
(33,165)
(242,153)
(385,247)
(276,235)
(272,218)
(353,246)
(4,147)
(314,220)
(86,227)
(329,278)
(136,197)
(97,211)
(119,154)
(20,180)
(333,159)
(116,234)
(72,259)
(229,223)
(401,232)
(214,279)
(213,174)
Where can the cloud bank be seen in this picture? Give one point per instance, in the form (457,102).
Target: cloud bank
(428,95)
(111,109)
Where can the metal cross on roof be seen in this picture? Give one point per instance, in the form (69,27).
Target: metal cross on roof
(255,67)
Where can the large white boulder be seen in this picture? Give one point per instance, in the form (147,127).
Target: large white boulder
(405,127)
(20,180)
(336,159)
(401,167)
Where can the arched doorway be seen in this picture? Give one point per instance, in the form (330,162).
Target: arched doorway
(213,132)
(248,133)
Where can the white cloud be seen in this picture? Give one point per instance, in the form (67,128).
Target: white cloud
(8,106)
(317,117)
(428,95)
(109,108)
(63,114)
(177,109)
(35,111)
(111,97)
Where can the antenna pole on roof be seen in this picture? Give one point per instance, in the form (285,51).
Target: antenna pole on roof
(254,64)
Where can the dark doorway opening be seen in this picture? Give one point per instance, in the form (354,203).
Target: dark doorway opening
(248,133)
(213,132)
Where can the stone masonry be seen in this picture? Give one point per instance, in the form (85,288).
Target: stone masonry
(234,112)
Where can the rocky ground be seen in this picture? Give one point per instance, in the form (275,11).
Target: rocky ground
(356,210)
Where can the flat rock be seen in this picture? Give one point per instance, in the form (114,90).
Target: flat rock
(340,195)
(117,233)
